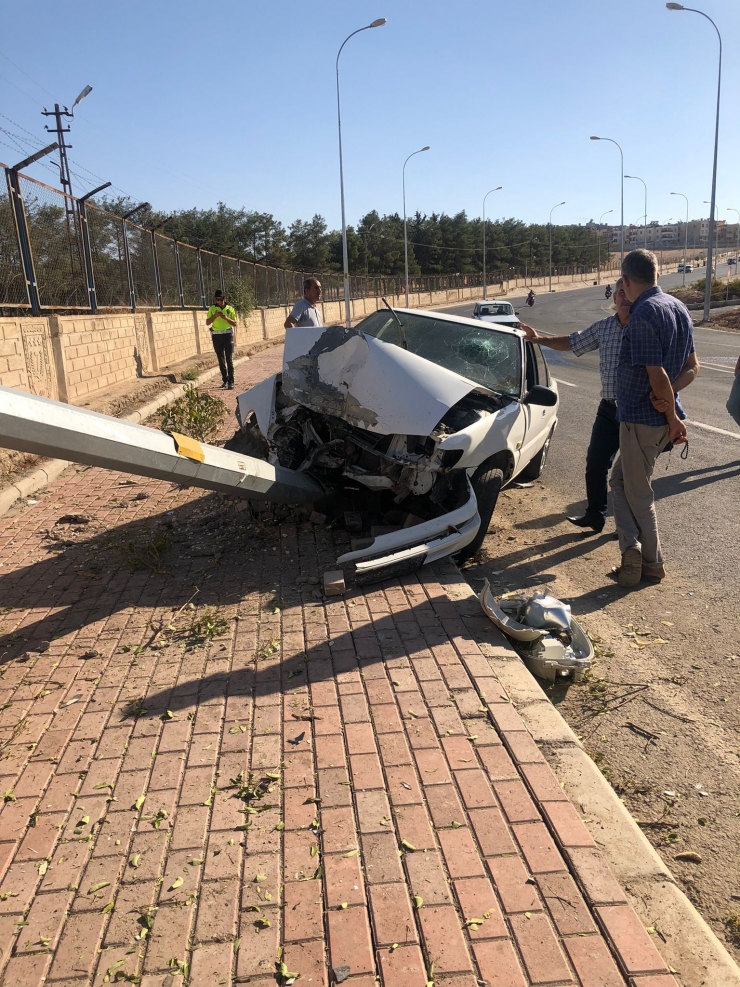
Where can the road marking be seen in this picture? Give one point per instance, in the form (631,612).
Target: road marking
(566,382)
(721,370)
(712,428)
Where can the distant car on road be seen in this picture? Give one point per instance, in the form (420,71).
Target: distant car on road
(501,313)
(732,260)
(685,268)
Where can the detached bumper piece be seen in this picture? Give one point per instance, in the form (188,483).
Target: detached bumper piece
(549,640)
(408,549)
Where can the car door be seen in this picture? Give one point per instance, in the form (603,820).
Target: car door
(538,420)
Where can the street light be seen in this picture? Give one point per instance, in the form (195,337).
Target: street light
(737,235)
(637,179)
(345,258)
(708,282)
(405,237)
(621,234)
(497,189)
(85,92)
(686,235)
(598,266)
(713,218)
(551,212)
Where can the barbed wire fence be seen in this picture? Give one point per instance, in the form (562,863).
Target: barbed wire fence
(61,254)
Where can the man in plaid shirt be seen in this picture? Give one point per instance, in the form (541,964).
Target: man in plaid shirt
(606,337)
(657,348)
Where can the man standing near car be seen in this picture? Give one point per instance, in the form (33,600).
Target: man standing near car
(657,345)
(305,312)
(221,320)
(606,337)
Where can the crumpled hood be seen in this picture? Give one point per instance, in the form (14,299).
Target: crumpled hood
(366,382)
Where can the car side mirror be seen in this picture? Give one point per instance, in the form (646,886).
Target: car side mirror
(516,313)
(544,396)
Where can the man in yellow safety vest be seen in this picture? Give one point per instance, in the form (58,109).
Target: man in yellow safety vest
(221,320)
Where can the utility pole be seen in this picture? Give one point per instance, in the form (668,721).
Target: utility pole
(74,232)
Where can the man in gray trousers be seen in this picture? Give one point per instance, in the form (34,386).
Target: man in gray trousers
(658,341)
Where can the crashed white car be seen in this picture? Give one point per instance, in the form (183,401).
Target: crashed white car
(411,422)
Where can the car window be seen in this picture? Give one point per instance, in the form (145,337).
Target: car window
(530,367)
(543,374)
(482,355)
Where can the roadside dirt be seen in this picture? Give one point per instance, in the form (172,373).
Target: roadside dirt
(659,712)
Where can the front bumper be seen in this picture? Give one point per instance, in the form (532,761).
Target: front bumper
(410,548)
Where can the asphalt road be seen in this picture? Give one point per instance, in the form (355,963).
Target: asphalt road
(700,510)
(660,714)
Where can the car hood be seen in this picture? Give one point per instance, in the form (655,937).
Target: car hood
(366,382)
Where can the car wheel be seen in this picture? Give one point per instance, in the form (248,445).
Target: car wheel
(487,482)
(533,469)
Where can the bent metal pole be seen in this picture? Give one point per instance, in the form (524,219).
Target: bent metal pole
(49,428)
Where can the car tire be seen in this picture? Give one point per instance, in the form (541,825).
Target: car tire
(486,483)
(533,469)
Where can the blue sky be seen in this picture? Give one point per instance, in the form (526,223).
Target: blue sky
(235,100)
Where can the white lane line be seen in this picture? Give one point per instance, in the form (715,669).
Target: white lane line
(721,370)
(712,428)
(566,382)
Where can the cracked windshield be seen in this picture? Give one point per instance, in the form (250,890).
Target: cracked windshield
(485,356)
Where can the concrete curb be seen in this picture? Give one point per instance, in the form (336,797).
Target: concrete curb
(53,468)
(684,939)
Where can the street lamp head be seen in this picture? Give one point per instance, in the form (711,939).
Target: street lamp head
(675,6)
(380,22)
(594,138)
(85,92)
(425,148)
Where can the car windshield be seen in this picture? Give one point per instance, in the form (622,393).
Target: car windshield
(485,356)
(500,309)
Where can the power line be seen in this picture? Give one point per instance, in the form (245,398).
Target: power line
(23,72)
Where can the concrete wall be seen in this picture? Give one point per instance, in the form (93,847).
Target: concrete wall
(71,357)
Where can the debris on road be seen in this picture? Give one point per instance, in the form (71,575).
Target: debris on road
(547,637)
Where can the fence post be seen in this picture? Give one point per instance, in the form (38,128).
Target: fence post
(157,279)
(24,244)
(201,285)
(178,274)
(221,274)
(87,253)
(129,272)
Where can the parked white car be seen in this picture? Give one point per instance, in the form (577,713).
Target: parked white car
(500,313)
(412,421)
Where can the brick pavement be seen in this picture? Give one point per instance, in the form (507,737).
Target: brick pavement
(334,788)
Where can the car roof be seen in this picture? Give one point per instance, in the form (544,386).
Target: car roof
(500,326)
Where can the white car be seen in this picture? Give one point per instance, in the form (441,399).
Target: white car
(499,313)
(412,421)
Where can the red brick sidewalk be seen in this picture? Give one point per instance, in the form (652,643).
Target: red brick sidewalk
(269,784)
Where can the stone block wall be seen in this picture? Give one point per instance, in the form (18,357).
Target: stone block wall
(71,357)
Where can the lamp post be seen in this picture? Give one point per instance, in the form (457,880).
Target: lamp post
(712,220)
(637,179)
(345,259)
(550,224)
(621,173)
(598,266)
(686,235)
(708,283)
(737,236)
(405,237)
(497,189)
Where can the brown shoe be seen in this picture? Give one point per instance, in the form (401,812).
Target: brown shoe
(630,571)
(653,570)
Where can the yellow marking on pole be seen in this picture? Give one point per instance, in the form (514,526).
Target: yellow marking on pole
(189,448)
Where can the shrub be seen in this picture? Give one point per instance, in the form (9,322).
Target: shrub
(192,373)
(239,295)
(198,415)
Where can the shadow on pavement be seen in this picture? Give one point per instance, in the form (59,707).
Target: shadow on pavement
(678,483)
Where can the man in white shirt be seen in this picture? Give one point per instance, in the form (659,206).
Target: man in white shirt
(305,311)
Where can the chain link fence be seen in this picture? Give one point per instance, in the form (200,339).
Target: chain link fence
(65,254)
